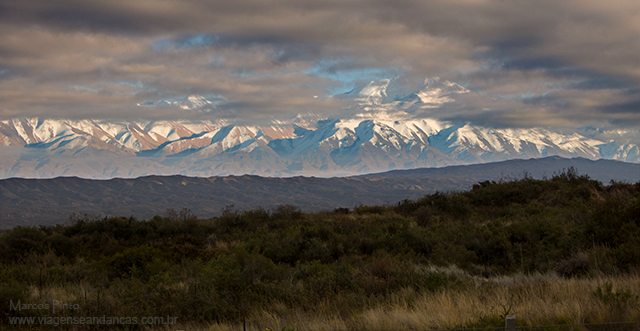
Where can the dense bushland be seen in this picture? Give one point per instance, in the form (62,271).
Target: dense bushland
(265,265)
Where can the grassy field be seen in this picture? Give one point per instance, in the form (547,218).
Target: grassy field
(536,299)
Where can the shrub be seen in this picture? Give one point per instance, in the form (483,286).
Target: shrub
(577,265)
(22,241)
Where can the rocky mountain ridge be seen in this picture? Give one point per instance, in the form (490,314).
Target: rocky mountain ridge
(380,133)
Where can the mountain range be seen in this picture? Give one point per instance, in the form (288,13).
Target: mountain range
(51,201)
(377,134)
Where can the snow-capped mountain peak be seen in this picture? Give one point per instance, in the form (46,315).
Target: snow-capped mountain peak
(374,93)
(378,133)
(191,102)
(437,92)
(195,102)
(104,149)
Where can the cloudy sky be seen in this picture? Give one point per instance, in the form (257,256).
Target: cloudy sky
(527,63)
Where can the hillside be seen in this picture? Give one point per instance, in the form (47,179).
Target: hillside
(602,170)
(51,201)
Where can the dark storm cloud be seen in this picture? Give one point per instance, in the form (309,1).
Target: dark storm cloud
(629,107)
(547,100)
(94,16)
(513,55)
(527,63)
(283,49)
(599,82)
(217,40)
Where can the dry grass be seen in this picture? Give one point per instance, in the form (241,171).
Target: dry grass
(536,299)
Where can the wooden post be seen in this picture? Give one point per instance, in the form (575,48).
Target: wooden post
(510,323)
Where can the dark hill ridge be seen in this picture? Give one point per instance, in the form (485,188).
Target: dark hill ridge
(50,201)
(602,170)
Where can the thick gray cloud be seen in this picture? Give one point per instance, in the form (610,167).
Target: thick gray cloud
(527,63)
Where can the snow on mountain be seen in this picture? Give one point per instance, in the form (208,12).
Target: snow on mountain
(232,138)
(379,133)
(416,129)
(309,140)
(437,92)
(191,102)
(329,147)
(195,102)
(623,152)
(476,144)
(374,93)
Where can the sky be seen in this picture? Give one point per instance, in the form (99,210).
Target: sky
(569,63)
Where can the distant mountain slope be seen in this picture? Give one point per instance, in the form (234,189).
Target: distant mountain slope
(50,201)
(602,170)
(380,132)
(37,148)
